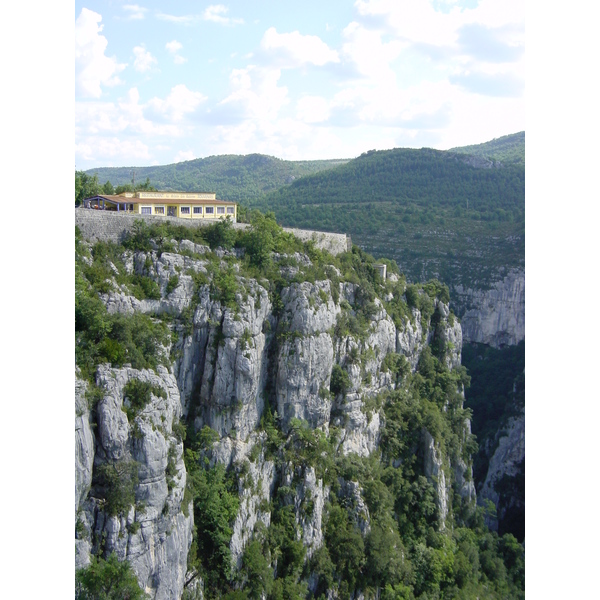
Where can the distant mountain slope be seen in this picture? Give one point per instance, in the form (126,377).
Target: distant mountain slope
(432,211)
(508,149)
(232,177)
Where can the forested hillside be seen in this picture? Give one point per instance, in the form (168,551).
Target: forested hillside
(232,177)
(432,211)
(508,149)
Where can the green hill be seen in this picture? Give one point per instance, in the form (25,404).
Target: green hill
(508,149)
(434,212)
(232,177)
(457,215)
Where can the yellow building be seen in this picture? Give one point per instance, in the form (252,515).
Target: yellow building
(185,205)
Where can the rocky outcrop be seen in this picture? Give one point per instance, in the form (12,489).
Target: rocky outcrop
(255,489)
(232,384)
(229,360)
(84,463)
(506,462)
(434,470)
(495,316)
(155,533)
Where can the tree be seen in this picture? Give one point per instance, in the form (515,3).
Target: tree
(119,480)
(85,186)
(107,580)
(340,381)
(108,189)
(221,234)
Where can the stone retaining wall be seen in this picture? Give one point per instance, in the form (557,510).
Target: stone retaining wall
(109,226)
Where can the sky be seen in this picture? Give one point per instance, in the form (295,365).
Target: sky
(158,83)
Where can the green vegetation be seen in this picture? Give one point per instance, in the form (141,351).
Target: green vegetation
(116,482)
(340,381)
(437,215)
(88,185)
(434,214)
(508,149)
(232,177)
(137,394)
(107,580)
(497,393)
(215,504)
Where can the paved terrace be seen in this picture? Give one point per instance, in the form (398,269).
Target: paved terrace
(109,226)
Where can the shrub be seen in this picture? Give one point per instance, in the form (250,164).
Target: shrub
(144,287)
(107,580)
(139,237)
(412,296)
(137,394)
(172,284)
(118,481)
(221,234)
(340,381)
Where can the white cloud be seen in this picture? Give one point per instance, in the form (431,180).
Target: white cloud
(182,20)
(184,155)
(135,11)
(414,20)
(418,21)
(313,109)
(255,95)
(104,150)
(173,48)
(216,13)
(370,55)
(143,59)
(127,115)
(294,49)
(93,68)
(179,103)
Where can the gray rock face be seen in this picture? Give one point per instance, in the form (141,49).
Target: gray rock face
(235,361)
(160,269)
(84,463)
(505,460)
(410,340)
(359,509)
(255,492)
(304,368)
(84,445)
(309,308)
(155,534)
(463,474)
(496,316)
(434,470)
(224,367)
(309,503)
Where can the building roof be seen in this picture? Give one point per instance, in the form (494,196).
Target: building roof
(166,201)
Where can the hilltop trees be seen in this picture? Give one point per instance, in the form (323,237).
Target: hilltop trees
(87,186)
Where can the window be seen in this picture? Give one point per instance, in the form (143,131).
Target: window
(159,210)
(210,210)
(230,210)
(146,210)
(197,210)
(171,211)
(185,210)
(220,210)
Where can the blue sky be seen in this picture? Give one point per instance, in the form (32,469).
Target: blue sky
(158,82)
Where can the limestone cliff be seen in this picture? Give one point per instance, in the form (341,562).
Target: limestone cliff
(317,356)
(494,316)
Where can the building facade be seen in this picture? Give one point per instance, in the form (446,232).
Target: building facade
(184,205)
